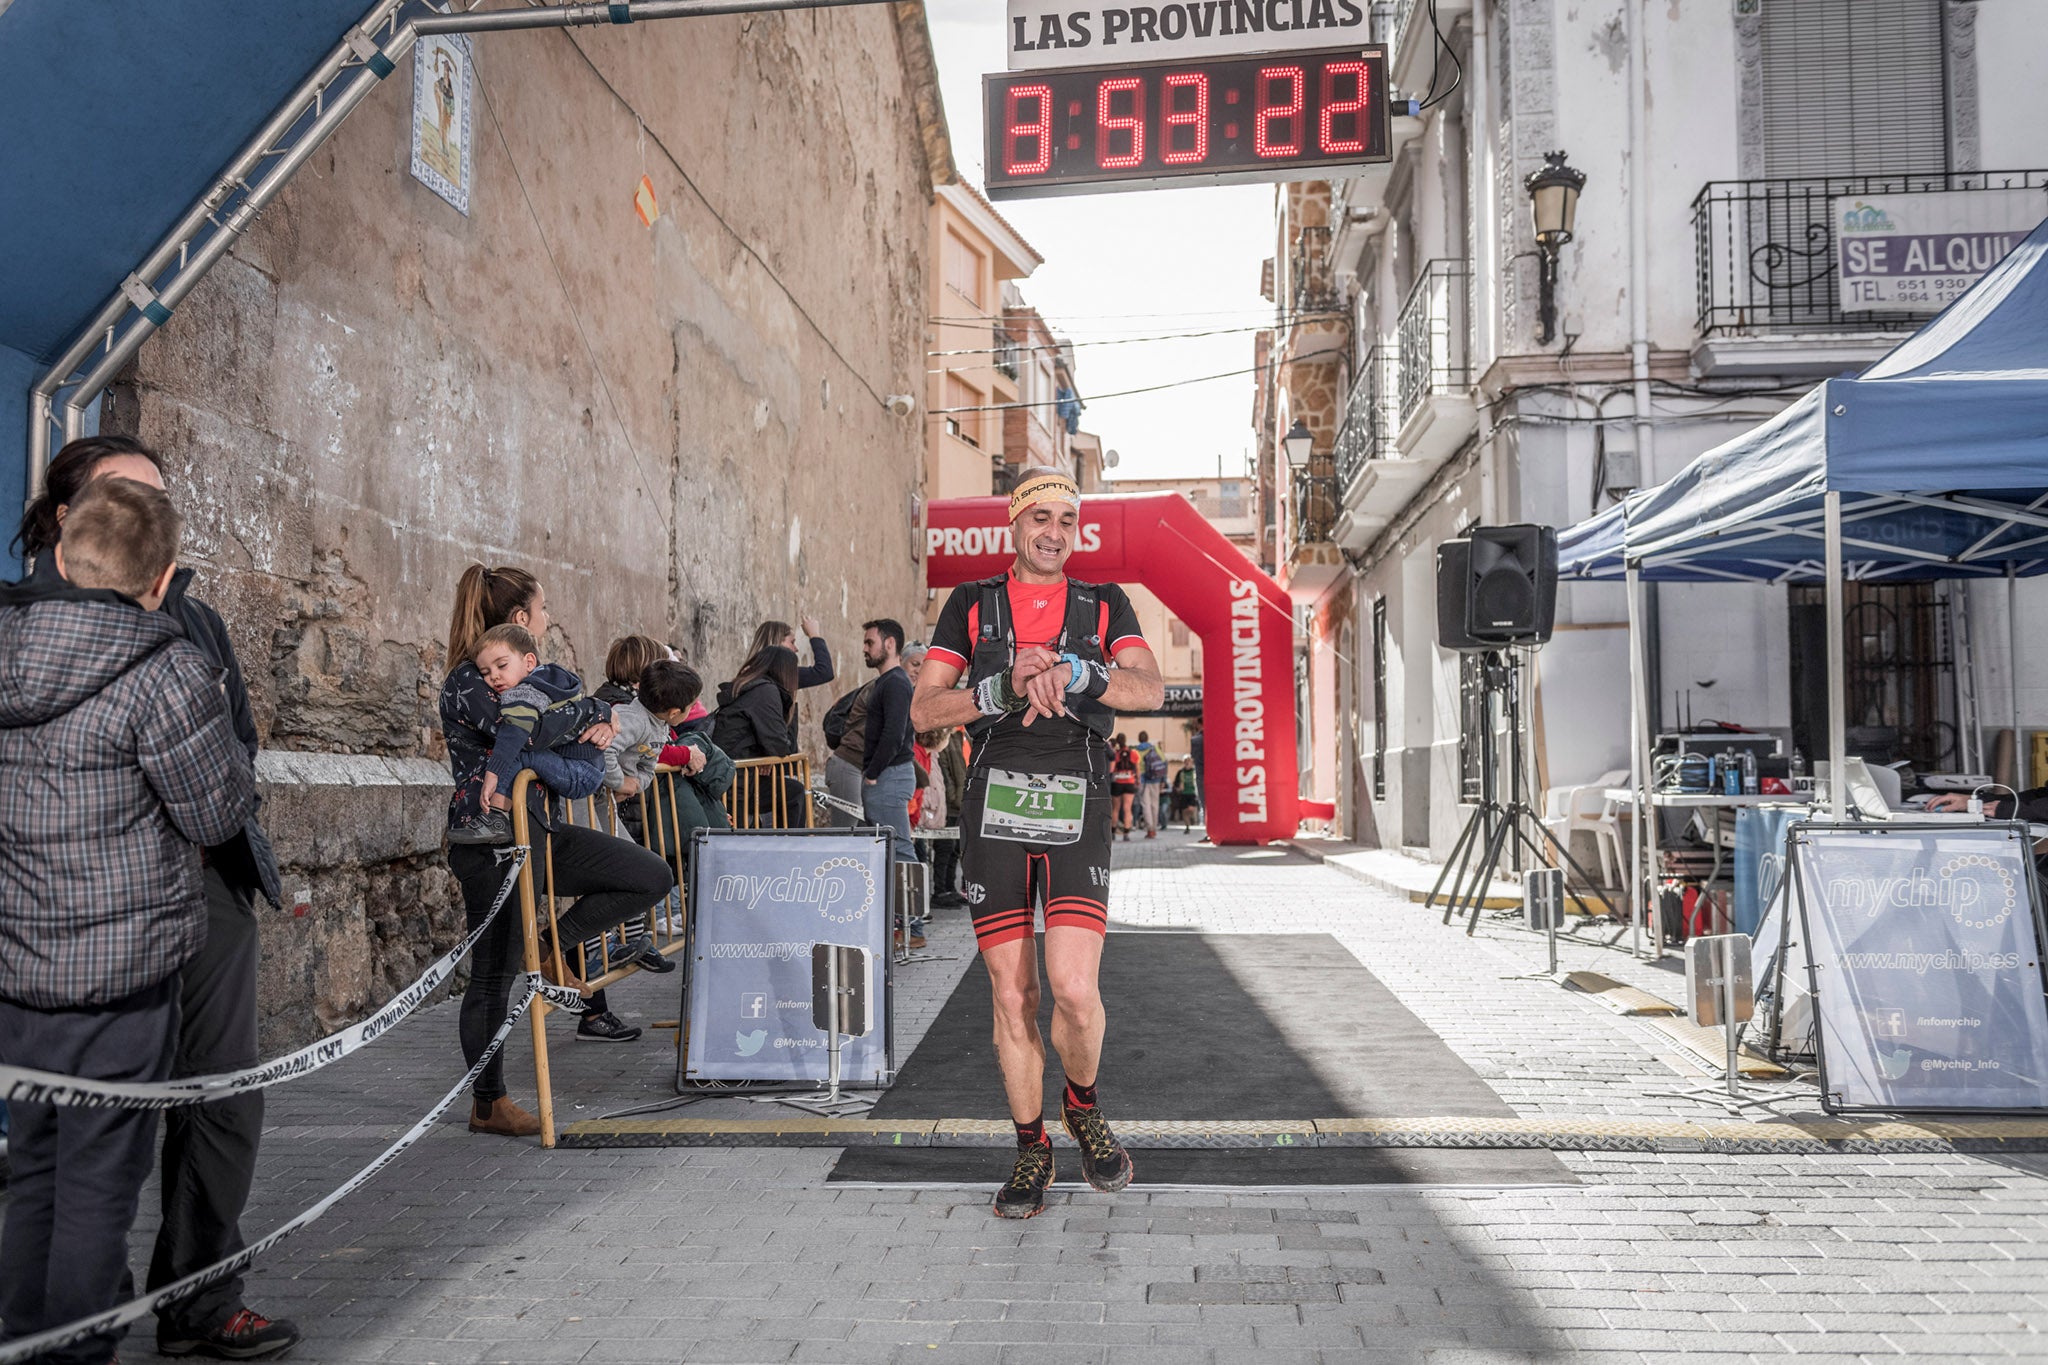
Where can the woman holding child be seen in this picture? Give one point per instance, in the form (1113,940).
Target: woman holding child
(615,879)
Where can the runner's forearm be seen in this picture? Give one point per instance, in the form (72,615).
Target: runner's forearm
(938,708)
(1134,688)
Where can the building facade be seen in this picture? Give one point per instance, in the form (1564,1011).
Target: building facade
(624,367)
(971,384)
(1446,384)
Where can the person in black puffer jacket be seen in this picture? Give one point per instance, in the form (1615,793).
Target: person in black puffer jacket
(118,765)
(756,718)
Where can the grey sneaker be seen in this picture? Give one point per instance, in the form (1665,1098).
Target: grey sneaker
(492,827)
(605,1028)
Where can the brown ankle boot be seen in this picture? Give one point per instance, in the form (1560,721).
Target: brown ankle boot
(503,1118)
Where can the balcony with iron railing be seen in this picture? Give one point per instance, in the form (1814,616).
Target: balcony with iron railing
(1433,369)
(1314,293)
(1435,331)
(1367,432)
(1313,508)
(1006,351)
(1766,261)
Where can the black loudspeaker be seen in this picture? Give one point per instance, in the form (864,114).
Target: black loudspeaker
(1511,597)
(1453,585)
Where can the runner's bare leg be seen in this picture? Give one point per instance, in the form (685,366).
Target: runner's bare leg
(1073,967)
(1020,1047)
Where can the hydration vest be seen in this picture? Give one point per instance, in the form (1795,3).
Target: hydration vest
(995,649)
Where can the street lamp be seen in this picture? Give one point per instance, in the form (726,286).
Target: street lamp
(1554,204)
(1298,443)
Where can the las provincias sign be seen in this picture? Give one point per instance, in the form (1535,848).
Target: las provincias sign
(1043,35)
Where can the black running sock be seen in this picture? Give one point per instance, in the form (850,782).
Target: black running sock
(1080,1096)
(1031,1134)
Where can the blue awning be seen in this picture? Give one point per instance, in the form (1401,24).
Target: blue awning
(1940,453)
(119,115)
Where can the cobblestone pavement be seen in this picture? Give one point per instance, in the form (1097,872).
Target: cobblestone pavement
(474,1249)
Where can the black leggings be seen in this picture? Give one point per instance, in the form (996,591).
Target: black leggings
(615,880)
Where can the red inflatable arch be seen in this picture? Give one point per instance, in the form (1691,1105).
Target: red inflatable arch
(1243,617)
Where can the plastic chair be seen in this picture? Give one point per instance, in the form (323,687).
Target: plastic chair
(1587,808)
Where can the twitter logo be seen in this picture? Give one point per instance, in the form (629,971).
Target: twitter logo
(750,1043)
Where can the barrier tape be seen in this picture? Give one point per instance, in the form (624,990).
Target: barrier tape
(21,1085)
(23,1348)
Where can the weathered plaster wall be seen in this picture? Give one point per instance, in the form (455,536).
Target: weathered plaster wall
(679,429)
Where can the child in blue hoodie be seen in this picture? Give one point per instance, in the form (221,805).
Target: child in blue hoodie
(542,714)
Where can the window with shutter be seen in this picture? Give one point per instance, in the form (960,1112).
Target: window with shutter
(1853,87)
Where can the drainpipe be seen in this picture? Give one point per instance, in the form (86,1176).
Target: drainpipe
(1639,320)
(1479,203)
(1639,235)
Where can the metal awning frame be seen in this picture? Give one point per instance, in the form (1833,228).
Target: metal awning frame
(367,53)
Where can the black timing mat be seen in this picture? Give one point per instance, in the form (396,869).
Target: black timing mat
(1218,1026)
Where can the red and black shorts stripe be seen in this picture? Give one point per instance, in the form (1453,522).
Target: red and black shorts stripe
(1007,883)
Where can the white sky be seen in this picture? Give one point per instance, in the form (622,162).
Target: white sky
(1137,263)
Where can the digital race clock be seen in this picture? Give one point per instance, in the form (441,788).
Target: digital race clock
(1284,116)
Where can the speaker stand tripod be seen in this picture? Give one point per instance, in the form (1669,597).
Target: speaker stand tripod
(1495,823)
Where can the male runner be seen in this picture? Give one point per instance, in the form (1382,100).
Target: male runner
(1037,649)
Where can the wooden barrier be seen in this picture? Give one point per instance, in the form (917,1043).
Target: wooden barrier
(665,922)
(770,793)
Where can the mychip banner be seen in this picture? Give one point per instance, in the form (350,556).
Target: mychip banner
(758,904)
(1926,965)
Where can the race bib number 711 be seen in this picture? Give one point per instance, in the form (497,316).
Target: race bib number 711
(1034,808)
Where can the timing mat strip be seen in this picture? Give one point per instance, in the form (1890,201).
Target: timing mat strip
(1730,1137)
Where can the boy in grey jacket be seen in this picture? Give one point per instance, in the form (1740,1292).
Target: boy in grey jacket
(118,764)
(661,702)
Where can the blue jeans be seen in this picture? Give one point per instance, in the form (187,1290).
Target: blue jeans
(887,802)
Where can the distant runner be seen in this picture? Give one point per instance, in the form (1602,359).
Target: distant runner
(1038,649)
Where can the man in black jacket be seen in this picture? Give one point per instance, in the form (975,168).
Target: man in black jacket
(209,1153)
(118,765)
(888,766)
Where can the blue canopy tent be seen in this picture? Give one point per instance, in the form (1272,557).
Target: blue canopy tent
(1932,464)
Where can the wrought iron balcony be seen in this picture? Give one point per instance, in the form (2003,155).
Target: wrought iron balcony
(1369,419)
(1436,334)
(1764,250)
(1314,509)
(1006,351)
(1313,278)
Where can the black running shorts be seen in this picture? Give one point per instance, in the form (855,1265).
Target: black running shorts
(1004,880)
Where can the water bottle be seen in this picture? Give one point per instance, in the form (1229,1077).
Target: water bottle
(1749,783)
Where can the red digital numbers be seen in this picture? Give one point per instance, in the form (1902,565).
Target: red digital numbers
(1184,105)
(1285,111)
(1037,128)
(1353,108)
(1108,123)
(1227,119)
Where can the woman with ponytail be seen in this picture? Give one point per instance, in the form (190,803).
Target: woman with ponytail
(615,879)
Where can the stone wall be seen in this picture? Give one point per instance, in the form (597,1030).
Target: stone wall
(678,428)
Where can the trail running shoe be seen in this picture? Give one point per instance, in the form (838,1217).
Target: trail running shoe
(1024,1195)
(245,1336)
(1104,1162)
